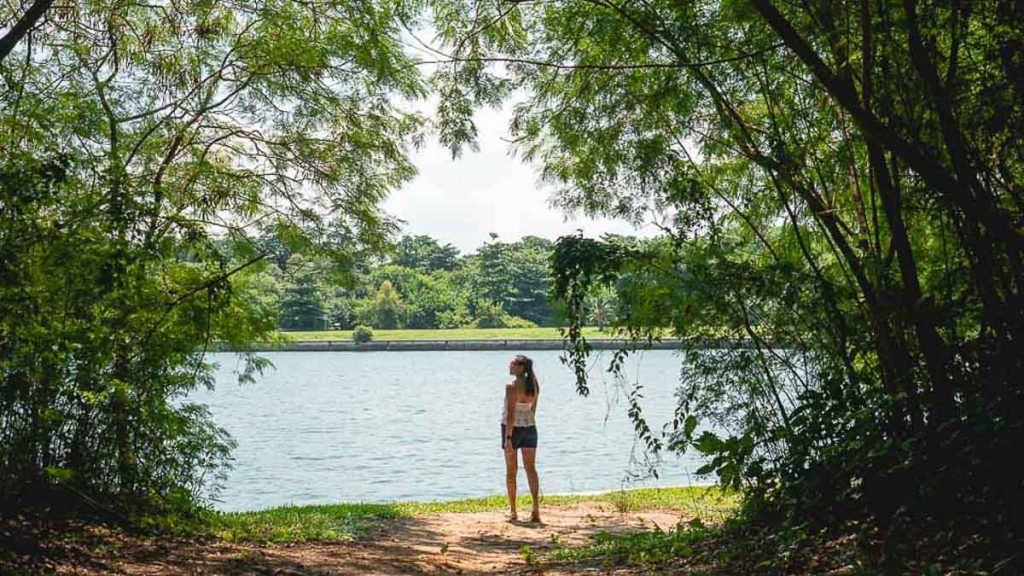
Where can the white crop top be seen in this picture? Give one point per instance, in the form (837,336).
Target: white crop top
(523,417)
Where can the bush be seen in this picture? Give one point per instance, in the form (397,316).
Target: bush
(385,309)
(459,317)
(517,322)
(362,334)
(493,315)
(489,315)
(341,313)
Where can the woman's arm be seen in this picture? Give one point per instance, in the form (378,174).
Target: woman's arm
(536,396)
(510,410)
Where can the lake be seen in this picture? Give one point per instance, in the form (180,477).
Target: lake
(324,427)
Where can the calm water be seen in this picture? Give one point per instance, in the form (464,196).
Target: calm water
(380,426)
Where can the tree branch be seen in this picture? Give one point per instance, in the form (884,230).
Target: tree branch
(558,66)
(24,25)
(205,285)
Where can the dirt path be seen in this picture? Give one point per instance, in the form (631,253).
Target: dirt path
(464,543)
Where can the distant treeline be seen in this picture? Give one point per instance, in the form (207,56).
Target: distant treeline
(421,284)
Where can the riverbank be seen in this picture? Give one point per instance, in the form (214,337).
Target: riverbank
(538,333)
(377,345)
(664,531)
(456,537)
(438,340)
(298,524)
(464,339)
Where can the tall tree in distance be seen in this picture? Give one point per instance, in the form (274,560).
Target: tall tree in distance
(302,299)
(425,253)
(385,309)
(515,275)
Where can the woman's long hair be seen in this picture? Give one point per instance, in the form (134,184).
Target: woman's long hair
(528,374)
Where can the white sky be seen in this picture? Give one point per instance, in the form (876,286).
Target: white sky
(461,201)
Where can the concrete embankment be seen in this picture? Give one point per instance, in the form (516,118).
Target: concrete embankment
(447,345)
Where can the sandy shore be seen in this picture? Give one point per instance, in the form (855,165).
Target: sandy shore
(447,543)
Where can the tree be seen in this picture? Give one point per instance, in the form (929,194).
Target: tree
(425,253)
(427,294)
(144,148)
(842,188)
(492,315)
(600,308)
(302,305)
(515,275)
(341,311)
(385,310)
(489,315)
(303,286)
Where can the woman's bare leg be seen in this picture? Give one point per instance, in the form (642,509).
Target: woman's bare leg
(530,463)
(511,466)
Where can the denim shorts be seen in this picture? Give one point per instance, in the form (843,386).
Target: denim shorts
(522,437)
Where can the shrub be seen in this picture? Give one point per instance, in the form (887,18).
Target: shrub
(385,309)
(459,317)
(493,315)
(489,315)
(517,322)
(362,334)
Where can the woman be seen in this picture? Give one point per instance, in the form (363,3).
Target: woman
(519,431)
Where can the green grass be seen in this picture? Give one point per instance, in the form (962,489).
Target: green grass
(297,524)
(641,548)
(294,524)
(690,499)
(448,334)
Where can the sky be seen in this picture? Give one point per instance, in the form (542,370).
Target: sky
(462,201)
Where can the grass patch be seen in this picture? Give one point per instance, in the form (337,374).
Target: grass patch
(447,334)
(703,501)
(294,524)
(735,547)
(707,502)
(733,544)
(297,524)
(642,548)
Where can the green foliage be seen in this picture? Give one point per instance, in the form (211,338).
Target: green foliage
(155,162)
(301,305)
(528,555)
(489,315)
(501,285)
(341,312)
(546,333)
(425,253)
(428,295)
(516,322)
(600,307)
(292,524)
(298,524)
(652,548)
(839,190)
(91,352)
(385,310)
(492,315)
(515,276)
(456,318)
(362,334)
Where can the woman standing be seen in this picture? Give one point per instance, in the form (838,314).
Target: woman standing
(519,431)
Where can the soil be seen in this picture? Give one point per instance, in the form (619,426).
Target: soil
(449,543)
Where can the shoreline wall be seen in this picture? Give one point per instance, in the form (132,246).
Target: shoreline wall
(435,345)
(460,345)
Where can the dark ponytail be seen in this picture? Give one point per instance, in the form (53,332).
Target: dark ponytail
(528,374)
